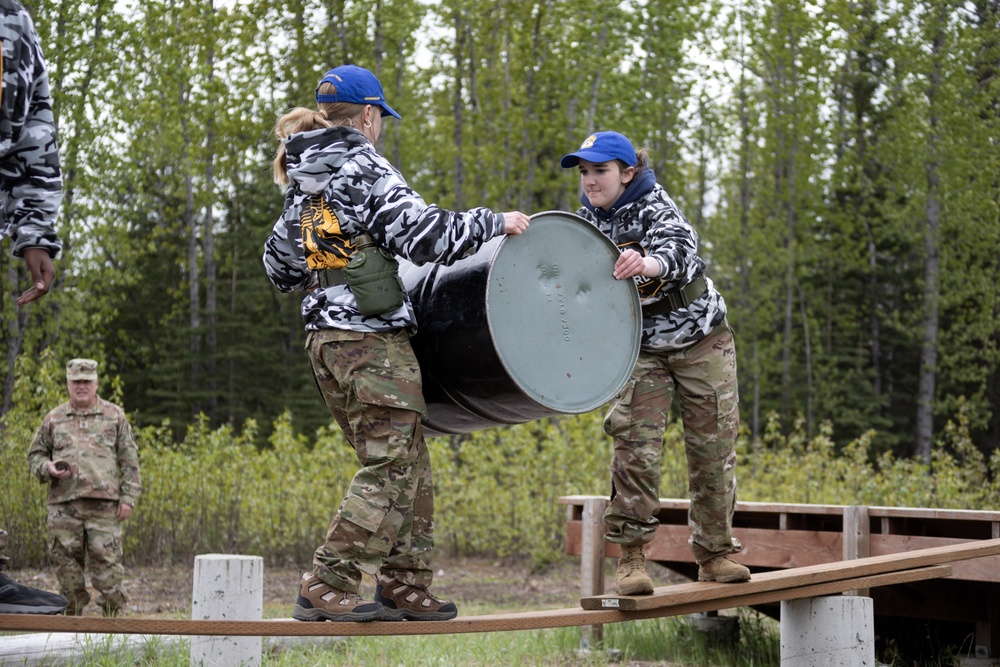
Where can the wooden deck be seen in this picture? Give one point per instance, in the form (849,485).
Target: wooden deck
(781,536)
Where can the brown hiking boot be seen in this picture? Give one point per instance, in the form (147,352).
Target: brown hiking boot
(632,578)
(724,570)
(412,603)
(318,601)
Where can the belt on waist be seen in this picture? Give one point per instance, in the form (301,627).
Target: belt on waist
(678,298)
(331,277)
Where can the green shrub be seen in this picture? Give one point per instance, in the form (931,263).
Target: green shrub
(219,491)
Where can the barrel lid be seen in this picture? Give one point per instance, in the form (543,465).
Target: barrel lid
(566,331)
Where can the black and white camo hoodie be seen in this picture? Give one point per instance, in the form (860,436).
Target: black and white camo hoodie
(647,220)
(367,195)
(31,188)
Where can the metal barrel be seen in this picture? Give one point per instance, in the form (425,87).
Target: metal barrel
(528,327)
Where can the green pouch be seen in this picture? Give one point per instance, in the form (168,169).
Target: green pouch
(373,275)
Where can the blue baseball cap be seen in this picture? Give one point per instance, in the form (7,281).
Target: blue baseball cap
(355,85)
(602,147)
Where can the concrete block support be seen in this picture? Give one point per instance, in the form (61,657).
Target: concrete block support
(227,587)
(831,631)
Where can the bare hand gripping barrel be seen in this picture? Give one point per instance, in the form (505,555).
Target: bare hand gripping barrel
(528,327)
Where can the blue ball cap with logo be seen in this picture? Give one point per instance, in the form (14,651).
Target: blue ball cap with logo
(602,147)
(355,85)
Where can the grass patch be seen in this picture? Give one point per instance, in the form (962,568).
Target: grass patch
(670,641)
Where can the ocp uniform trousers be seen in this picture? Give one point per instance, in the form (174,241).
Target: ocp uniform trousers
(86,532)
(371,384)
(703,376)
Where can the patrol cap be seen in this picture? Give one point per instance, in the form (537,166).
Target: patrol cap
(81,369)
(602,147)
(355,85)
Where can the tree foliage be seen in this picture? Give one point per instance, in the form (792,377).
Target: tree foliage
(213,490)
(839,159)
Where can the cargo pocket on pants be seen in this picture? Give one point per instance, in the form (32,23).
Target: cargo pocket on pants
(363,513)
(618,421)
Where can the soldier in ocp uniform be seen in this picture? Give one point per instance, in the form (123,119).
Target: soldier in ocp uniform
(348,213)
(85,452)
(687,350)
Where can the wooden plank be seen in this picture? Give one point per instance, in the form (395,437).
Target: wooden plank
(782,579)
(592,547)
(788,549)
(592,560)
(857,537)
(764,548)
(741,506)
(737,599)
(980,569)
(534,620)
(804,508)
(933,513)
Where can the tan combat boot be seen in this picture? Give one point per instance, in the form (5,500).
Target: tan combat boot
(632,578)
(723,569)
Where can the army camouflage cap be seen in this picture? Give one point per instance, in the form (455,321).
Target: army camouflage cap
(81,369)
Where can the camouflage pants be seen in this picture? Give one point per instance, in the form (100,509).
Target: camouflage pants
(87,531)
(3,549)
(704,378)
(371,384)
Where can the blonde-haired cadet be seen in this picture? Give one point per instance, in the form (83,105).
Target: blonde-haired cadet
(348,214)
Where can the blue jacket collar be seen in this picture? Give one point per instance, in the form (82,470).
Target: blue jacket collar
(640,186)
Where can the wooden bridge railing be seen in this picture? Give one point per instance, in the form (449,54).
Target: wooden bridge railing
(781,536)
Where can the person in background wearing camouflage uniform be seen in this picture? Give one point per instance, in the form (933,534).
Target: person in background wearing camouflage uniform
(30,195)
(687,349)
(342,196)
(85,451)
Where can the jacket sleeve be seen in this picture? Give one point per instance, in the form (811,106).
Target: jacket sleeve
(40,452)
(30,172)
(673,241)
(128,463)
(404,223)
(284,259)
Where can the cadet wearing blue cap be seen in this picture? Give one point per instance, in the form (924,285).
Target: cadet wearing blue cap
(687,349)
(348,213)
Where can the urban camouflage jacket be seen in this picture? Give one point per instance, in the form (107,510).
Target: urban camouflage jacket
(339,189)
(647,220)
(97,444)
(30,177)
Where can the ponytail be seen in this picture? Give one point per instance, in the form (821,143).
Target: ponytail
(301,119)
(642,160)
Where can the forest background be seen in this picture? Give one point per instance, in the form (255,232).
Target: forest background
(839,159)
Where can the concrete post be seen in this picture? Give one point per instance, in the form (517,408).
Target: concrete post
(831,631)
(227,587)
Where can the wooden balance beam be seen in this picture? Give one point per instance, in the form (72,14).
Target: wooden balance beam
(670,596)
(738,596)
(791,584)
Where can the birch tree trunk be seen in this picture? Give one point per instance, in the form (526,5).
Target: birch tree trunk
(932,262)
(208,229)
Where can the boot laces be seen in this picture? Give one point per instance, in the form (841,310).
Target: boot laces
(634,560)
